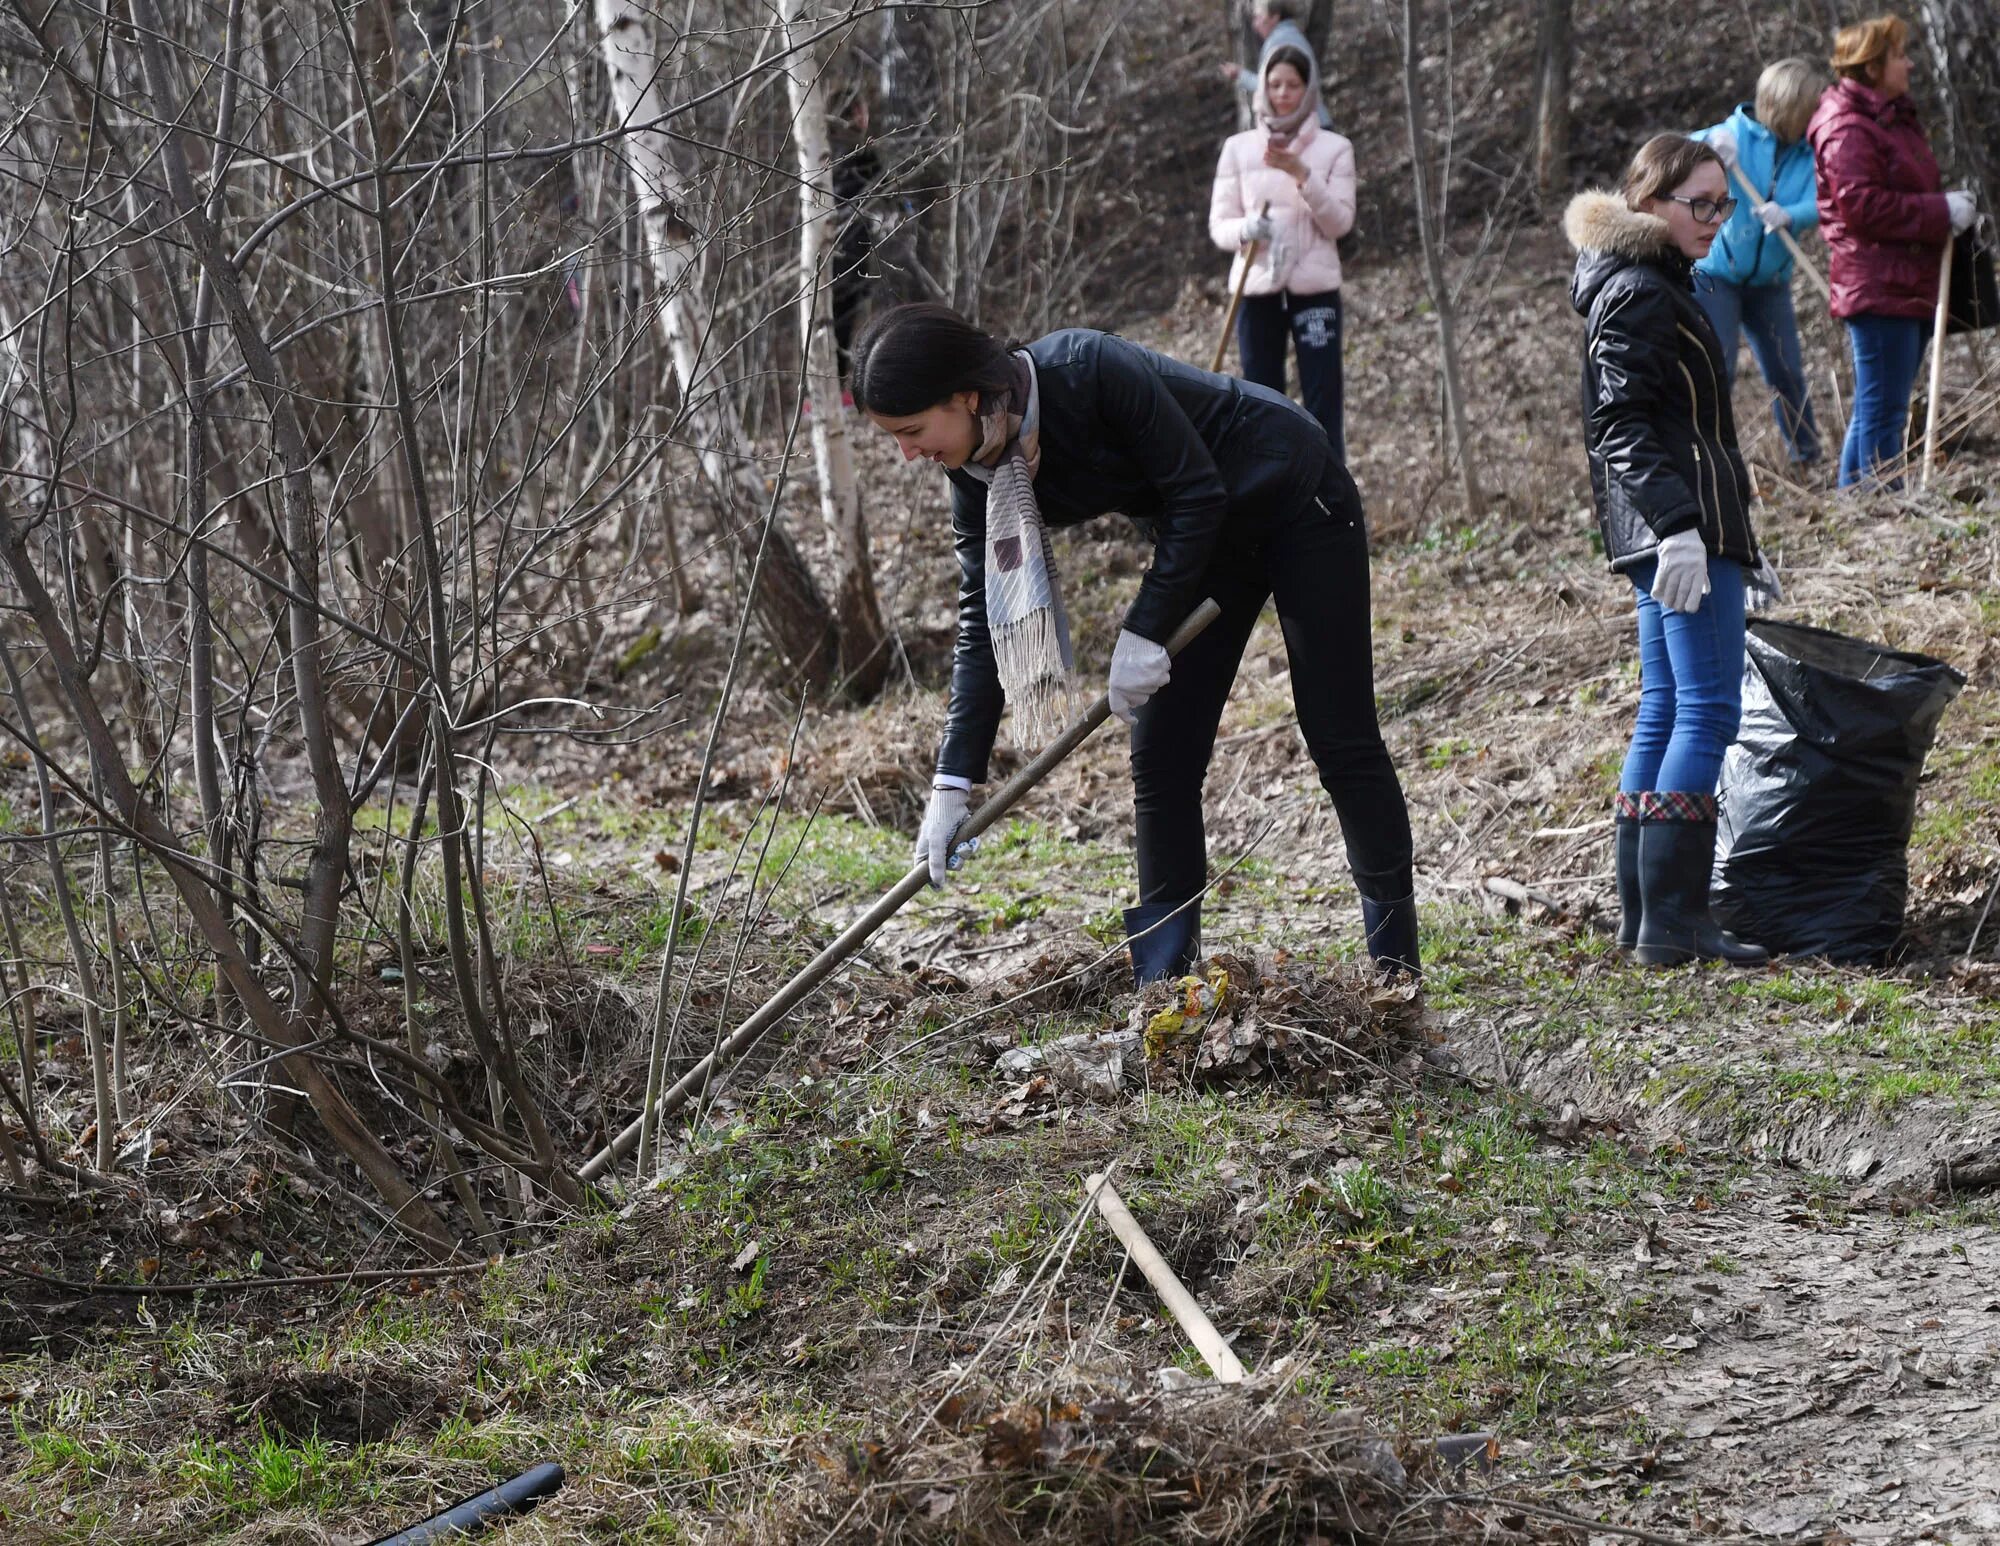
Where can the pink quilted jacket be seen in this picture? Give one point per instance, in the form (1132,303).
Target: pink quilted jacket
(1308,216)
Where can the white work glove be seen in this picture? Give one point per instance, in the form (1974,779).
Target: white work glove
(1255,228)
(1962,210)
(1139,668)
(1281,259)
(1723,143)
(1774,215)
(942,819)
(1765,591)
(1681,579)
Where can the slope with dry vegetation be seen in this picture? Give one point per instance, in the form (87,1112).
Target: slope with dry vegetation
(1677,1252)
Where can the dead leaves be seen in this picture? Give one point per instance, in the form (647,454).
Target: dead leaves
(1230,1021)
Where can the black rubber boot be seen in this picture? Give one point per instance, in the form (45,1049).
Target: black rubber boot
(1629,896)
(1165,939)
(1674,924)
(1392,936)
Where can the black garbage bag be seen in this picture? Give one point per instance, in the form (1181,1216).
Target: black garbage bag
(1819,793)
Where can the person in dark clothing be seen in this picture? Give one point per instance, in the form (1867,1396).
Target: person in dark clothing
(1673,506)
(1244,501)
(856,171)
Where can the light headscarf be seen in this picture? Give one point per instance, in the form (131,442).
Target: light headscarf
(1288,39)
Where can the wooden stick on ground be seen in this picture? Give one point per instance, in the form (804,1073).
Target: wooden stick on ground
(1937,365)
(1236,299)
(1791,245)
(1223,1363)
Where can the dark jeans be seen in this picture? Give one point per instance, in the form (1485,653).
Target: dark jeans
(1313,559)
(1312,323)
(1690,684)
(1887,354)
(1764,313)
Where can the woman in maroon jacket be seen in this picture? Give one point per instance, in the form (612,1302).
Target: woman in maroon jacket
(1885,221)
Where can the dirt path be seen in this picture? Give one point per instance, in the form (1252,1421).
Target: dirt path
(1839,1373)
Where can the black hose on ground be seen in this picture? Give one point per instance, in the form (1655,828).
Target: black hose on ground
(509,1500)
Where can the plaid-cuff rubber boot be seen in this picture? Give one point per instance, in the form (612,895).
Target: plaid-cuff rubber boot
(1676,852)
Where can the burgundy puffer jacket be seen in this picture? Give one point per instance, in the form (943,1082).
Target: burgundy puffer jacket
(1880,209)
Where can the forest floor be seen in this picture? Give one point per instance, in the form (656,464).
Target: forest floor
(1672,1239)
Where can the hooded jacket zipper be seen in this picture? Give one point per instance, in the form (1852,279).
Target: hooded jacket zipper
(1700,461)
(1694,417)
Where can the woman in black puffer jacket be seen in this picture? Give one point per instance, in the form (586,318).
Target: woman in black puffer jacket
(1673,504)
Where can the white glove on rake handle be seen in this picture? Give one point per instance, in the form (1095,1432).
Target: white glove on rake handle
(1681,579)
(1139,668)
(942,818)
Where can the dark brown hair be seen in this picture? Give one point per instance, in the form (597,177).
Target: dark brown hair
(1664,162)
(914,356)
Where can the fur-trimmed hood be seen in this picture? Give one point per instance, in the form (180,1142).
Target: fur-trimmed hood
(1609,238)
(1598,221)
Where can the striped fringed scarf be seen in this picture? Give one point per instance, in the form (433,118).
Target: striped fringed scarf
(1024,607)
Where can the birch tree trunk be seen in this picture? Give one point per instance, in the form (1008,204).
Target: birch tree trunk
(1962,38)
(864,654)
(788,602)
(1433,240)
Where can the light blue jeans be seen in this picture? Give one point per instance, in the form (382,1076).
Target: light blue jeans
(1690,684)
(1764,313)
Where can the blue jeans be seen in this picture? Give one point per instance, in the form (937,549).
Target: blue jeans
(1690,684)
(1764,312)
(1312,322)
(1887,353)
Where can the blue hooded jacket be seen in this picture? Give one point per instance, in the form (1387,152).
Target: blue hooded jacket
(1744,252)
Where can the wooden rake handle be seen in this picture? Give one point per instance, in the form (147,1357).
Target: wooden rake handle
(1236,298)
(1938,330)
(1798,253)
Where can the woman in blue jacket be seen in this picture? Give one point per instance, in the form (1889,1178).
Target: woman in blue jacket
(1747,283)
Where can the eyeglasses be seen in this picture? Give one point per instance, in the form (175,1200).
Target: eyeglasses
(1707,211)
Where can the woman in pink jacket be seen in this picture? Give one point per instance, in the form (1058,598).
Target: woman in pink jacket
(1288,186)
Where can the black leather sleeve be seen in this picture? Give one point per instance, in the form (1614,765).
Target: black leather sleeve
(1635,371)
(1139,413)
(972,718)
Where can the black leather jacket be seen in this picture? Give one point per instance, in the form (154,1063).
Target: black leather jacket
(1185,453)
(1657,424)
